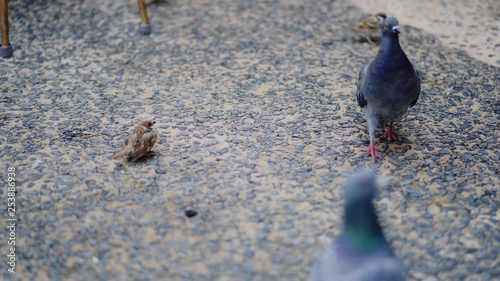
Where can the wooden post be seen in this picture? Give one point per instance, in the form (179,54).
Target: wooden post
(144,28)
(4,23)
(142,11)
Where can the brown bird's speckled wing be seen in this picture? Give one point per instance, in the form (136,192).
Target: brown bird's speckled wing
(140,142)
(143,145)
(370,26)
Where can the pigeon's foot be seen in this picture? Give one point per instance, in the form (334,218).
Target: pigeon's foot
(372,151)
(389,134)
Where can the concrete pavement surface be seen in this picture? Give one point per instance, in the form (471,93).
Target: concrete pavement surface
(259,129)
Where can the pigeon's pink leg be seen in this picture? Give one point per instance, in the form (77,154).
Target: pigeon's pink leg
(389,135)
(372,151)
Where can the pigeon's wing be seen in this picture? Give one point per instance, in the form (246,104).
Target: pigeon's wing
(376,269)
(371,268)
(419,80)
(359,93)
(327,265)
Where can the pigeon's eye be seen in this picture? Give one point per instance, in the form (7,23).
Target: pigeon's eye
(386,26)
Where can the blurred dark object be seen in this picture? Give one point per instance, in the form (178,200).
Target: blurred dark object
(190,213)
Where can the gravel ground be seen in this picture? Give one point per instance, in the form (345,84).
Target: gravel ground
(259,129)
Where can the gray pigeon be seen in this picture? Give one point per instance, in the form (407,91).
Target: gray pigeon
(388,85)
(360,252)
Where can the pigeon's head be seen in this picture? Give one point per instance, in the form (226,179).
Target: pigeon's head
(363,186)
(390,25)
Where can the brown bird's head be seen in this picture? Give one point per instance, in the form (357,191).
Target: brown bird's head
(380,17)
(148,123)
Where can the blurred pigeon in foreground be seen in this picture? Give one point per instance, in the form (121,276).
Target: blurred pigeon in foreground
(388,85)
(370,26)
(360,252)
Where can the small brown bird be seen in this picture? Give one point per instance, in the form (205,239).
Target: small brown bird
(370,26)
(139,143)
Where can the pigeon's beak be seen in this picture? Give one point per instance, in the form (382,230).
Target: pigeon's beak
(395,29)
